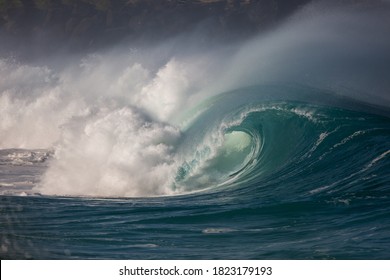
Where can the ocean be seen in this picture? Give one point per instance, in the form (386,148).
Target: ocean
(274,148)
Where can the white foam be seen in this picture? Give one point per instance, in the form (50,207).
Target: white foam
(350,137)
(375,160)
(218,230)
(106,118)
(113,154)
(110,116)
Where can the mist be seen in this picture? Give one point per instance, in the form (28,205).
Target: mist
(112,117)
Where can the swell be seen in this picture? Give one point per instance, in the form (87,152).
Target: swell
(313,148)
(296,140)
(125,122)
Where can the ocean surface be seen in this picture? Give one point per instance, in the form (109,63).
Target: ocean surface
(289,180)
(273,148)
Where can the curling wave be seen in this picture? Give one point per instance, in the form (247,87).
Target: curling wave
(279,145)
(286,105)
(282,142)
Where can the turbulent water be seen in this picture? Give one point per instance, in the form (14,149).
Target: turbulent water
(274,149)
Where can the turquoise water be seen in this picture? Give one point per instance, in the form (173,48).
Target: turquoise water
(273,147)
(267,172)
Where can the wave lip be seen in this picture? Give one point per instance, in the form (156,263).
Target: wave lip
(280,142)
(231,145)
(113,118)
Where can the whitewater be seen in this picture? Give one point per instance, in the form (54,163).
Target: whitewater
(275,148)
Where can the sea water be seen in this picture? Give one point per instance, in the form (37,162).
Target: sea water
(274,148)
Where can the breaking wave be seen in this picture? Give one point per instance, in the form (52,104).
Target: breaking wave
(290,104)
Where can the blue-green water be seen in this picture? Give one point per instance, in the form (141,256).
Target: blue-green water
(281,177)
(275,147)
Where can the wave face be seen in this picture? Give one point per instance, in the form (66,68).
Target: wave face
(280,145)
(246,142)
